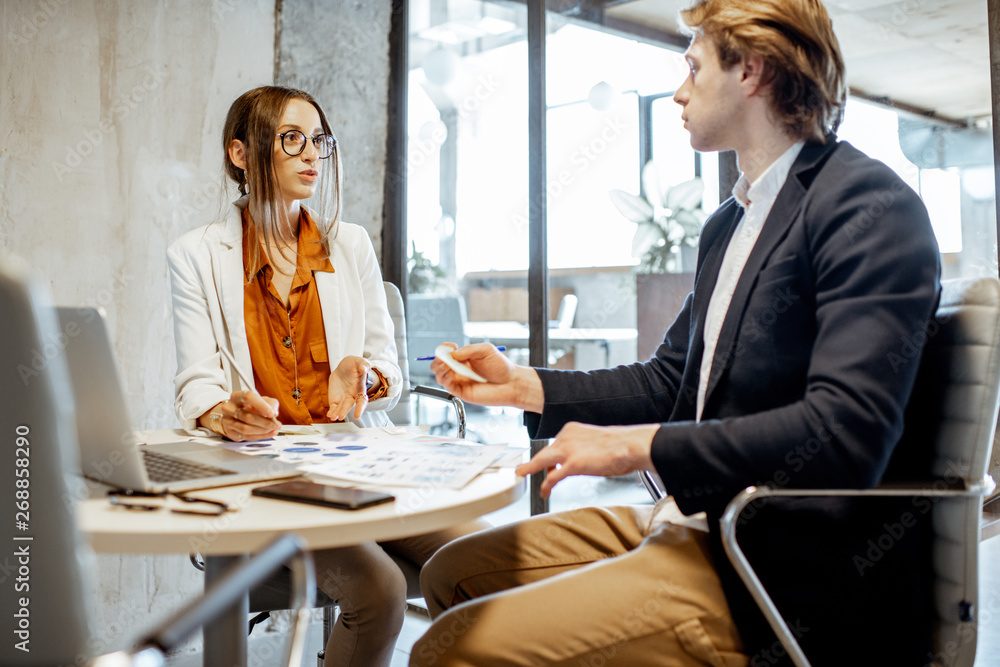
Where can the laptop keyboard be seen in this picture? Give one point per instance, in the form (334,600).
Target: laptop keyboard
(165,468)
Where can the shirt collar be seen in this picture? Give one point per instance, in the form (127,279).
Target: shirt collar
(312,254)
(768,184)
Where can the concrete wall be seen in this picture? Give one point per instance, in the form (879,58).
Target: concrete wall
(339,51)
(111,123)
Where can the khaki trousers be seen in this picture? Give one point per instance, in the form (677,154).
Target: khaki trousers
(370,590)
(588,587)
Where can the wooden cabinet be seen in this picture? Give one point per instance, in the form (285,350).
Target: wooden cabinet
(659,298)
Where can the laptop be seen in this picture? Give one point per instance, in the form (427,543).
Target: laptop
(110,452)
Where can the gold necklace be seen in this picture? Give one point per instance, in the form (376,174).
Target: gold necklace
(288,341)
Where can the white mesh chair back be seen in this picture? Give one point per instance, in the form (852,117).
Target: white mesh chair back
(400,414)
(432,319)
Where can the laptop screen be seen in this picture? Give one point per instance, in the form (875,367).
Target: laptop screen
(107,442)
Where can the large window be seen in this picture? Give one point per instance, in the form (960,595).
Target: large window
(610,112)
(472,109)
(875,130)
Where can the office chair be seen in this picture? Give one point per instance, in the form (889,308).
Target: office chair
(958,394)
(38,407)
(567,312)
(403,413)
(39,429)
(564,320)
(152,649)
(432,319)
(995,466)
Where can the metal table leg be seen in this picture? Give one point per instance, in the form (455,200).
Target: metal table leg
(225,639)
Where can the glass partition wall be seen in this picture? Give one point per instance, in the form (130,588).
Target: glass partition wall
(609,113)
(467,187)
(612,125)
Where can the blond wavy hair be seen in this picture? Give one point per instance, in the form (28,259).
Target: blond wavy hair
(803,64)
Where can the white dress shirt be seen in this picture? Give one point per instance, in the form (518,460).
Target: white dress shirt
(756,199)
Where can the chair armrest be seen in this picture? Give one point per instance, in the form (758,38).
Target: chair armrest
(226,592)
(730,518)
(654,489)
(442,395)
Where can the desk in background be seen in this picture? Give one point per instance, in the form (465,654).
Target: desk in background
(515,335)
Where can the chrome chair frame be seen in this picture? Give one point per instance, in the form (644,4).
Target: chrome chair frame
(973,486)
(152,649)
(730,519)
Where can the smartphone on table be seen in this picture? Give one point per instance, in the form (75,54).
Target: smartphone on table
(326,495)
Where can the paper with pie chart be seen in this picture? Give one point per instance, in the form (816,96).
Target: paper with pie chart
(405,456)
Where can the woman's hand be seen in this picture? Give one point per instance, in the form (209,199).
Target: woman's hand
(245,416)
(506,383)
(347,388)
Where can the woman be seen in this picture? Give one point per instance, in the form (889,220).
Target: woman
(296,295)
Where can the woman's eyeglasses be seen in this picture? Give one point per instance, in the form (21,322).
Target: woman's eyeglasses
(144,501)
(293,143)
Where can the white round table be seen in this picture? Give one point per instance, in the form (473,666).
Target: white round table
(256,521)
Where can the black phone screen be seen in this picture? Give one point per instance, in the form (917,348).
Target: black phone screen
(323,494)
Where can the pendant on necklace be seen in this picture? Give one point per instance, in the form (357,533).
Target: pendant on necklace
(295,394)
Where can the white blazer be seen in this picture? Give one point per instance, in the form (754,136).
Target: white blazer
(206,282)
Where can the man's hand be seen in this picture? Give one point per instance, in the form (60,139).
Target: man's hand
(347,388)
(506,384)
(581,449)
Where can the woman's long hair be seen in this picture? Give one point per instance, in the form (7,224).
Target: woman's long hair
(254,119)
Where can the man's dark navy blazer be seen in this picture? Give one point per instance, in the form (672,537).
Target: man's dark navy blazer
(812,372)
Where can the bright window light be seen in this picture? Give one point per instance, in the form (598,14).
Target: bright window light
(875,130)
(941,190)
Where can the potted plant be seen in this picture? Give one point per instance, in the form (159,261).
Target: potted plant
(668,222)
(425,276)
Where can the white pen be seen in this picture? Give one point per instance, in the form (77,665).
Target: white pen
(239,371)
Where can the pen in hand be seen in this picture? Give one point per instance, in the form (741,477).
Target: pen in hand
(239,371)
(500,348)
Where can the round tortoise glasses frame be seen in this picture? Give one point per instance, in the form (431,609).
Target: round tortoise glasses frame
(293,142)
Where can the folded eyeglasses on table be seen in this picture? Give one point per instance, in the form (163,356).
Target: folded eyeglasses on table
(145,501)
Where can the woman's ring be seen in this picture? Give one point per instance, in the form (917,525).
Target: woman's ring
(236,415)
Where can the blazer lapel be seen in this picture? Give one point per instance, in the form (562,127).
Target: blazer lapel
(715,239)
(227,264)
(329,302)
(715,249)
(783,213)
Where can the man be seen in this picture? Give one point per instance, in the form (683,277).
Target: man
(783,367)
